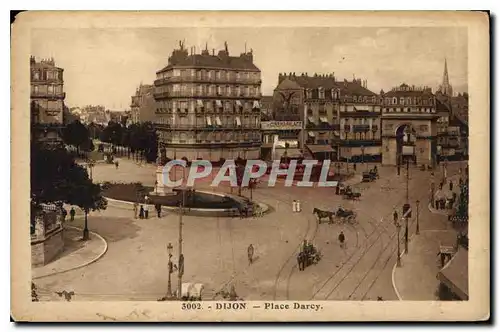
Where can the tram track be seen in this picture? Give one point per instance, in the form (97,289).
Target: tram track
(368,246)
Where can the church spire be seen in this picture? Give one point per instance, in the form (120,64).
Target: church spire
(446,80)
(446,87)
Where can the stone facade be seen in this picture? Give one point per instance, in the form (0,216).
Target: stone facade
(208,106)
(143,105)
(47,101)
(409,121)
(47,236)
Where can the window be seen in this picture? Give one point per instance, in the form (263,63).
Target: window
(394,101)
(51,89)
(36,89)
(217,75)
(308,94)
(37,75)
(401,100)
(355,99)
(408,101)
(321,93)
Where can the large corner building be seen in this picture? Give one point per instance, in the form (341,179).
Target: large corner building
(208,105)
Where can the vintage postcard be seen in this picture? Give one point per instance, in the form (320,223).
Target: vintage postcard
(250,166)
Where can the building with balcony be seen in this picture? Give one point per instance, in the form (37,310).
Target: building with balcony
(47,101)
(208,105)
(409,121)
(143,104)
(341,118)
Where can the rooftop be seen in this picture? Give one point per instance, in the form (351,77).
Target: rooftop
(182,58)
(328,82)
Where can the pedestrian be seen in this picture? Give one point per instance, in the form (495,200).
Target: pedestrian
(72,213)
(294,206)
(116,164)
(64,214)
(300,261)
(141,212)
(304,246)
(451,185)
(250,252)
(136,207)
(158,210)
(395,216)
(354,165)
(146,211)
(342,240)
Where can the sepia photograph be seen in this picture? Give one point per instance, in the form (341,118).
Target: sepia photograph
(250,166)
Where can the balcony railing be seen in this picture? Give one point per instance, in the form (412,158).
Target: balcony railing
(39,94)
(191,94)
(361,128)
(195,79)
(198,127)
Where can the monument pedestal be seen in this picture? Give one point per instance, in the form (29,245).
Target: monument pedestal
(160,188)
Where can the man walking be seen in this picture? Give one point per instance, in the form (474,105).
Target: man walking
(250,252)
(395,215)
(72,213)
(64,214)
(342,240)
(146,211)
(158,210)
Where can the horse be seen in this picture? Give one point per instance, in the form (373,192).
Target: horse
(324,214)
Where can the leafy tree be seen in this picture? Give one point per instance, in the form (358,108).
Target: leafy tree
(56,178)
(76,134)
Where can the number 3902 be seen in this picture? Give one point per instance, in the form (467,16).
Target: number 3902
(191,306)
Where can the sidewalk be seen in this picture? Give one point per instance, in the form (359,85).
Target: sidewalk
(416,279)
(76,254)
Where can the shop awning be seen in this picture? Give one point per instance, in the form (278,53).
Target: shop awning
(323,119)
(362,108)
(238,103)
(256,104)
(311,133)
(316,148)
(218,103)
(199,103)
(455,274)
(311,119)
(209,121)
(217,121)
(238,121)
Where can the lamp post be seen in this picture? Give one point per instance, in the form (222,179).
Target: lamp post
(362,154)
(398,228)
(90,165)
(418,226)
(181,255)
(170,270)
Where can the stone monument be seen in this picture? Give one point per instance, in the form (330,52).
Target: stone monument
(47,234)
(160,188)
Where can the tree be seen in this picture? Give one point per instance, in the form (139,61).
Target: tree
(76,134)
(56,178)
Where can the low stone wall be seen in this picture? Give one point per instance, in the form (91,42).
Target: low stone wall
(44,250)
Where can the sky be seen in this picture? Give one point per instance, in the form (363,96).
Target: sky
(104,66)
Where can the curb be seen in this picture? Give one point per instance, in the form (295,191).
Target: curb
(81,265)
(119,204)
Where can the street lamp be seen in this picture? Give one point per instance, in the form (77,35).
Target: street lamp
(170,269)
(90,165)
(418,226)
(398,228)
(363,154)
